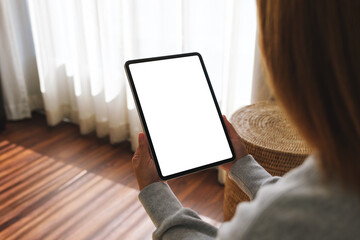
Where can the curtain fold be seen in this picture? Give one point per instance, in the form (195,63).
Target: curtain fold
(260,89)
(80,48)
(20,82)
(240,35)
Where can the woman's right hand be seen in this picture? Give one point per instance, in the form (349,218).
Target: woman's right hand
(237,142)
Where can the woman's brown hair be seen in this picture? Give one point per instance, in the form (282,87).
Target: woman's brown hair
(311,51)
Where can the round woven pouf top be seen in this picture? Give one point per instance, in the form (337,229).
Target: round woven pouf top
(271,139)
(264,125)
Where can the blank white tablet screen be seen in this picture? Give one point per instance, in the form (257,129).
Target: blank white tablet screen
(180,114)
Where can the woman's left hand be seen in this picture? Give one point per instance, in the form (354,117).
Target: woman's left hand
(143,164)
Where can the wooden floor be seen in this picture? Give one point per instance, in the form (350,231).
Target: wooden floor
(57,184)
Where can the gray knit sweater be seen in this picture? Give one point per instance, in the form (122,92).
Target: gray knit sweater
(301,205)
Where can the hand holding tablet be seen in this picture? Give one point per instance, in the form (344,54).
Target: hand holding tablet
(179,114)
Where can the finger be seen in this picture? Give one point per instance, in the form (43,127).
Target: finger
(230,128)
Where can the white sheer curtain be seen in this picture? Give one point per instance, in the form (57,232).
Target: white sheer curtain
(80,48)
(20,83)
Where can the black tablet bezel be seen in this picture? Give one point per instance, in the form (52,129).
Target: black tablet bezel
(143,120)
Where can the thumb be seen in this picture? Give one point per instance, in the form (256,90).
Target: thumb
(143,144)
(141,152)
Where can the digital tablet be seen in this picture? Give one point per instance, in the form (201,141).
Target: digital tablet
(179,114)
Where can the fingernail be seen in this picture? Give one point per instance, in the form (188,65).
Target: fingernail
(141,137)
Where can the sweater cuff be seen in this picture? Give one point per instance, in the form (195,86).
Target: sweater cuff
(249,175)
(159,202)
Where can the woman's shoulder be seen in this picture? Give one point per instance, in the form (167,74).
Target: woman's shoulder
(302,205)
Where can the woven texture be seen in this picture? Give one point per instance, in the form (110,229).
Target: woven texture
(273,142)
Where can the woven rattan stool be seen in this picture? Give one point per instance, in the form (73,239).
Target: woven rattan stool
(273,142)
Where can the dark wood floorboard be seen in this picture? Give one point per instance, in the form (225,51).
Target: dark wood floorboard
(57,184)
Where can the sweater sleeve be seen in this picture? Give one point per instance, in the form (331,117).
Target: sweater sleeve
(250,176)
(171,219)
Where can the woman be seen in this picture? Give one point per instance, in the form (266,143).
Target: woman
(312,51)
